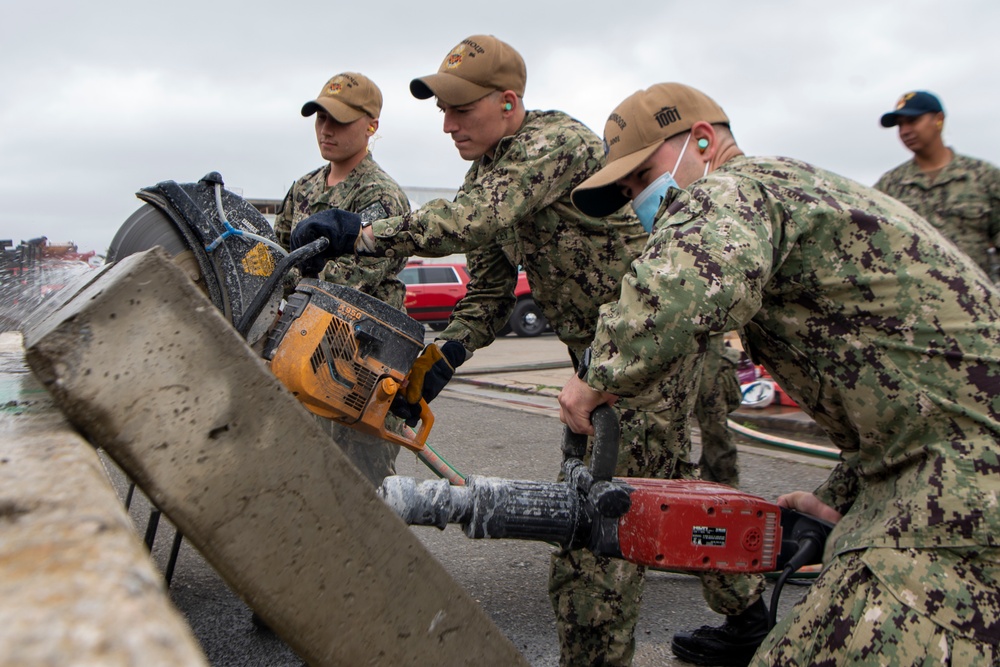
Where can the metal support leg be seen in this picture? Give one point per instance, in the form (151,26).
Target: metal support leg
(154,520)
(175,549)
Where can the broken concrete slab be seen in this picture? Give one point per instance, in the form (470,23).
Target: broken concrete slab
(76,583)
(146,367)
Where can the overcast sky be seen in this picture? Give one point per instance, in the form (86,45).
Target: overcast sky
(102,98)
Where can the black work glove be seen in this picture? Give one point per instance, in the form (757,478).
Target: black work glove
(429,374)
(340,227)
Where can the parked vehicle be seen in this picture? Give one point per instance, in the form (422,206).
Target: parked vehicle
(432,290)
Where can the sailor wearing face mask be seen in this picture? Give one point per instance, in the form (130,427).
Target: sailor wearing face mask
(647,203)
(880,329)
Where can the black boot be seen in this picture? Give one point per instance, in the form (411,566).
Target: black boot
(732,643)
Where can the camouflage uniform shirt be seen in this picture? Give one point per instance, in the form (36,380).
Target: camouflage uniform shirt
(962,201)
(887,337)
(515,210)
(371,193)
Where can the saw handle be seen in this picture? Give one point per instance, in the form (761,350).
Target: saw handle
(307,252)
(378,409)
(284,266)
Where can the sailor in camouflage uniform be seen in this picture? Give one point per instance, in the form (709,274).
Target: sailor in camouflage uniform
(888,337)
(959,195)
(347,111)
(514,209)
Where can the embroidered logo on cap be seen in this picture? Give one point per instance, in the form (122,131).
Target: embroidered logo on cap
(667,115)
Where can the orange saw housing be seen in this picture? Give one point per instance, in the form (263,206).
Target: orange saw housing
(344,355)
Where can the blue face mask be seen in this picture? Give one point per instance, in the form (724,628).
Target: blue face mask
(647,203)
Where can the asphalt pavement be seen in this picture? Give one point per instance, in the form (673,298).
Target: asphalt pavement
(499,417)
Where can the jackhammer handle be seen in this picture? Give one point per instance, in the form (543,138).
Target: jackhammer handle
(604,458)
(574,445)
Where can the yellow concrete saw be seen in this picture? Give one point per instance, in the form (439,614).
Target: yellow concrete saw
(342,353)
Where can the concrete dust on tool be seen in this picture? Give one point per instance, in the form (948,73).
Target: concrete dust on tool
(224,244)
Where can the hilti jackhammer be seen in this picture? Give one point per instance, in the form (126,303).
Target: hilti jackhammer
(668,524)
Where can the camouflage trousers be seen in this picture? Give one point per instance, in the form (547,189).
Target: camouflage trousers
(596,600)
(895,608)
(374,457)
(718,395)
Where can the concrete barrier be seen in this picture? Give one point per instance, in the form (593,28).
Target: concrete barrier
(77,586)
(143,364)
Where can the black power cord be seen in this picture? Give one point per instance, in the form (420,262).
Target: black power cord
(802,542)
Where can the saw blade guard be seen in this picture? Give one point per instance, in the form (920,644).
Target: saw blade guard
(345,355)
(222,241)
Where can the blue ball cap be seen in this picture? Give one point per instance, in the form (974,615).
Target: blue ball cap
(916,103)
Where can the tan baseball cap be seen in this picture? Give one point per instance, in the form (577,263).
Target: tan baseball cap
(633,132)
(347,97)
(472,70)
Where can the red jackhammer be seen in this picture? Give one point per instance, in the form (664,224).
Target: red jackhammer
(669,524)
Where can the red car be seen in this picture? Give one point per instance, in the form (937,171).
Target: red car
(432,290)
